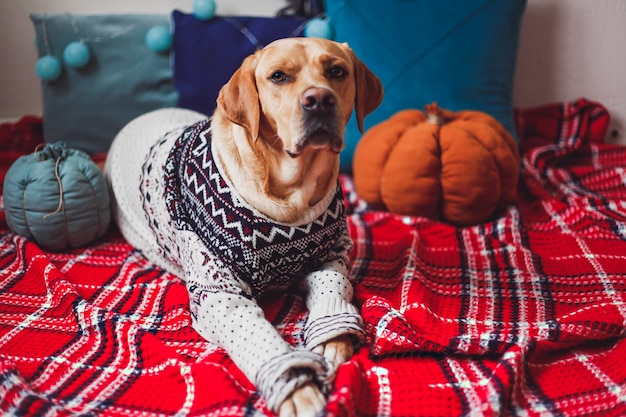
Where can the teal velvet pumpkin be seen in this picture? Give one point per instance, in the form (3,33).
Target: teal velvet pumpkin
(58,197)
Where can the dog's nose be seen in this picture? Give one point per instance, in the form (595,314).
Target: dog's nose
(318,100)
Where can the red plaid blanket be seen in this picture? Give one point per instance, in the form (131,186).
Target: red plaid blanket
(520,316)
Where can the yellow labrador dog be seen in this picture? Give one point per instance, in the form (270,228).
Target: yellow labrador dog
(248,202)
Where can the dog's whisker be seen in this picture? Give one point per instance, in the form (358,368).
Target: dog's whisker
(273,139)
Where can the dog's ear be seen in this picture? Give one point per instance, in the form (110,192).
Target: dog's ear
(239,98)
(369,91)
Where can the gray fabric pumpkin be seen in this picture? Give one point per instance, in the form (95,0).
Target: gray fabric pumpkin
(58,197)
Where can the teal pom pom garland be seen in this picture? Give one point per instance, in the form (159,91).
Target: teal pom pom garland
(77,54)
(48,68)
(318,27)
(204,9)
(158,39)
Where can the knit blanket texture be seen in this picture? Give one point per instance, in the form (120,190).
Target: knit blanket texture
(523,315)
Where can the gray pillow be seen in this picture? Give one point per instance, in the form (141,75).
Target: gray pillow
(86,107)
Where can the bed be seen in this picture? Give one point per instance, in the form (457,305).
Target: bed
(521,315)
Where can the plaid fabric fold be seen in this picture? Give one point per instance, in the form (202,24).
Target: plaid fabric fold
(523,315)
(549,269)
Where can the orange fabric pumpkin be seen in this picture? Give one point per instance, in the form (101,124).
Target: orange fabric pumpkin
(455,166)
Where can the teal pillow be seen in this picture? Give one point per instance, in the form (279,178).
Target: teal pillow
(123,79)
(459,53)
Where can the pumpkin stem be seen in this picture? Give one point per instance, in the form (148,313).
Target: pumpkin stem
(60,207)
(434,114)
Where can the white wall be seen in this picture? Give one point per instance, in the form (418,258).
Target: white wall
(568,49)
(571,49)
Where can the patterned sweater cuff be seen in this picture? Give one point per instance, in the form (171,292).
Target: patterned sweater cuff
(330,318)
(281,376)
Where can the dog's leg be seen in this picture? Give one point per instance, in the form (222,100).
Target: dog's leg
(336,351)
(307,401)
(334,323)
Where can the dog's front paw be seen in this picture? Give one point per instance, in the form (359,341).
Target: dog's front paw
(336,351)
(306,401)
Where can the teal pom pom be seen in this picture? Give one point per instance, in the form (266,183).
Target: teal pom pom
(76,54)
(48,68)
(159,39)
(318,28)
(204,9)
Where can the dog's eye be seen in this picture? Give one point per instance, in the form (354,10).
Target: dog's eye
(278,77)
(337,72)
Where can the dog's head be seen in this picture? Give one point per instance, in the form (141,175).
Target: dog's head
(298,94)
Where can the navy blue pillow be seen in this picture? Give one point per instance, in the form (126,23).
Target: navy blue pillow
(459,53)
(208,52)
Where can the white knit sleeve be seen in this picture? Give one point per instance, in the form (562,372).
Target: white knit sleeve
(224,313)
(329,299)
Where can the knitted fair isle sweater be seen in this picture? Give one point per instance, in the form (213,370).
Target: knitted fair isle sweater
(230,254)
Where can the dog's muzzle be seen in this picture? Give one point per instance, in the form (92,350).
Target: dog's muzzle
(322,126)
